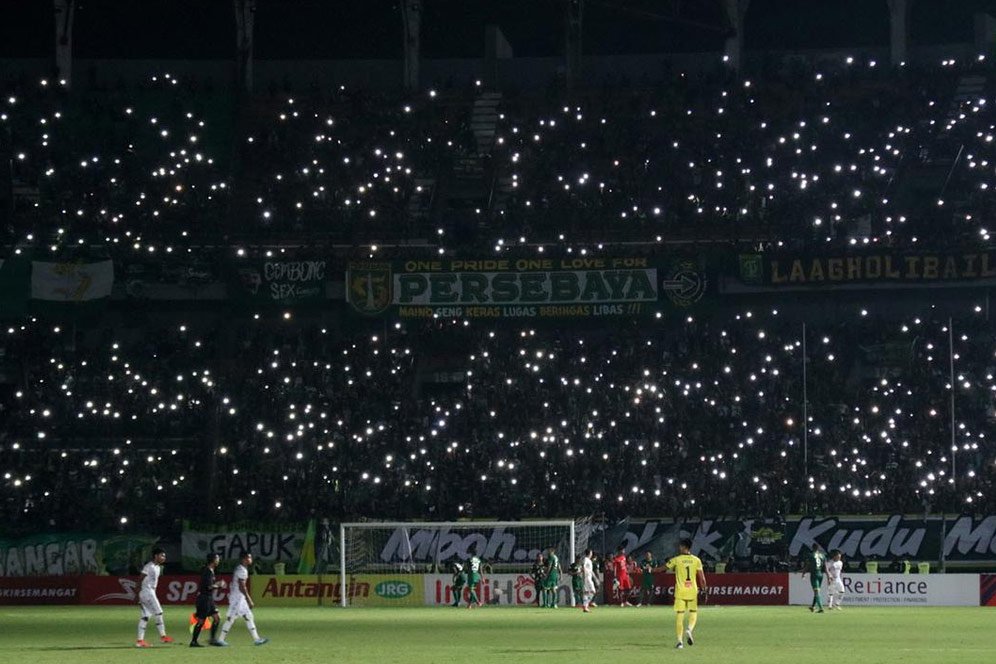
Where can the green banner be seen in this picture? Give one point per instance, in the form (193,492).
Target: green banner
(68,554)
(280,282)
(876,268)
(525,288)
(269,543)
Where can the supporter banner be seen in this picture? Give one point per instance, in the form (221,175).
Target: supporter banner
(891,537)
(523,288)
(119,590)
(39,590)
(70,554)
(727,589)
(896,590)
(269,543)
(503,589)
(281,282)
(788,271)
(987,589)
(71,282)
(361,589)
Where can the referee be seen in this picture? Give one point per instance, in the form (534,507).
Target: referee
(205,602)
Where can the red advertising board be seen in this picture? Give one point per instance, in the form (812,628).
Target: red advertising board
(39,590)
(728,589)
(987,589)
(109,590)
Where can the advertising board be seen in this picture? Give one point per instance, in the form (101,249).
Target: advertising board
(896,590)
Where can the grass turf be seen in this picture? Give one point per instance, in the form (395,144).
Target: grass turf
(767,635)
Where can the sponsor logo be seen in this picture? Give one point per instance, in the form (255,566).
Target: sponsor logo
(877,586)
(505,589)
(41,590)
(128,592)
(393,589)
(963,538)
(181,592)
(37,593)
(302,589)
(756,588)
(748,591)
(891,538)
(425,544)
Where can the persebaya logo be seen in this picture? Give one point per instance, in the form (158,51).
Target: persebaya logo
(368,287)
(393,589)
(751,268)
(686,285)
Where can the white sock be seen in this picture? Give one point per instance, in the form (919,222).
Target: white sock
(227,627)
(160,625)
(251,626)
(142,623)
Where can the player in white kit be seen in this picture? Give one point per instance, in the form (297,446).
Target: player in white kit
(240,603)
(588,581)
(835,581)
(148,601)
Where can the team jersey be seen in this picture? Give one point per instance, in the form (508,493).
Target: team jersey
(235,592)
(815,562)
(577,581)
(686,578)
(553,564)
(834,569)
(538,571)
(475,565)
(619,567)
(207,582)
(647,567)
(150,577)
(588,568)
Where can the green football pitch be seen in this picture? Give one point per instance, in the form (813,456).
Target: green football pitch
(767,635)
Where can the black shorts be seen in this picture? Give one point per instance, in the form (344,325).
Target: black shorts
(205,607)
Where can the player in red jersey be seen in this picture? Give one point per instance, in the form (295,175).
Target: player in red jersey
(622,584)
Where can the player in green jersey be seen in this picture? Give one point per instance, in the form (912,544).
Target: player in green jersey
(814,564)
(577,581)
(538,574)
(473,580)
(647,566)
(552,580)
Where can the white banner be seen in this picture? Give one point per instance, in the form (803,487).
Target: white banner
(895,590)
(504,589)
(71,282)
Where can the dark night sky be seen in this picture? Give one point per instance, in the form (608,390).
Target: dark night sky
(195,29)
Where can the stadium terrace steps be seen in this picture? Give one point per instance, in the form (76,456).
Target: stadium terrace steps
(484,120)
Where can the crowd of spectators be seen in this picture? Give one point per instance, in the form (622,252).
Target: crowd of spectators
(245,417)
(804,154)
(449,419)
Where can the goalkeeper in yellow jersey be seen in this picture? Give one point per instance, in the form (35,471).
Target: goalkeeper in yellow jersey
(689,579)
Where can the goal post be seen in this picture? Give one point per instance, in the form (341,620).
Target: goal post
(410,563)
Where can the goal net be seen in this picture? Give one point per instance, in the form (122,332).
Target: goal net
(412,563)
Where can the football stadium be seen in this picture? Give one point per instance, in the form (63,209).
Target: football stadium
(522,331)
